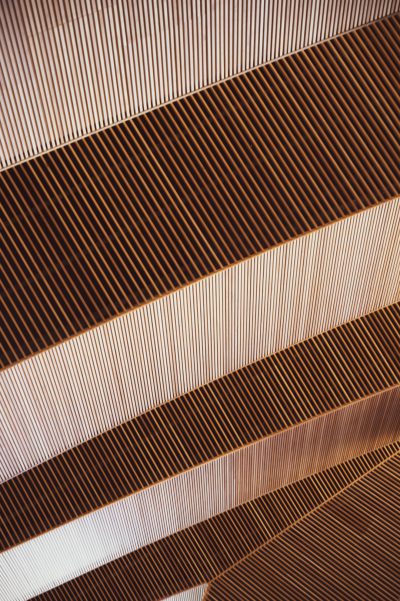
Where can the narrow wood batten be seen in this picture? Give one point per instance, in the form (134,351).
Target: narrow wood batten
(202,552)
(127,215)
(349,548)
(193,594)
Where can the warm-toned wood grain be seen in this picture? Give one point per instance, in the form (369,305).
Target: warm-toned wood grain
(72,67)
(121,217)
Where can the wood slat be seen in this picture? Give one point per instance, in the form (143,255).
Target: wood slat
(349,549)
(317,376)
(198,554)
(85,386)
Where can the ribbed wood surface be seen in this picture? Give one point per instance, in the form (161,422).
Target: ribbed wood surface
(200,333)
(193,594)
(348,549)
(73,66)
(200,553)
(78,389)
(362,358)
(198,494)
(116,219)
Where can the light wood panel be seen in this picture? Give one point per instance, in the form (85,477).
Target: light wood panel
(193,594)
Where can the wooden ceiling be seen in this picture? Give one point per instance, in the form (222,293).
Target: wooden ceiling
(72,67)
(120,218)
(200,302)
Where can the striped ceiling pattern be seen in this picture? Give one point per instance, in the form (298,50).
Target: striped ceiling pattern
(120,218)
(200,303)
(200,553)
(72,67)
(353,541)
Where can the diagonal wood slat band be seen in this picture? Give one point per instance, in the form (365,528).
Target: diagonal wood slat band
(72,66)
(354,361)
(198,554)
(198,494)
(72,392)
(350,548)
(121,217)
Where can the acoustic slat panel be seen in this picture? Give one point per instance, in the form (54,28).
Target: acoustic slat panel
(198,494)
(73,66)
(76,390)
(198,554)
(352,362)
(110,222)
(348,549)
(200,333)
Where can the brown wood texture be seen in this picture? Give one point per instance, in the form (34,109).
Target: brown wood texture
(279,481)
(199,554)
(355,361)
(347,549)
(119,218)
(75,66)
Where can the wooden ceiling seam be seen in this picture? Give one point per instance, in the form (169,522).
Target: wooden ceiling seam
(312,511)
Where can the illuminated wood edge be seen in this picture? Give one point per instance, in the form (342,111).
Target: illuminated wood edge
(193,594)
(375,496)
(200,553)
(123,59)
(196,495)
